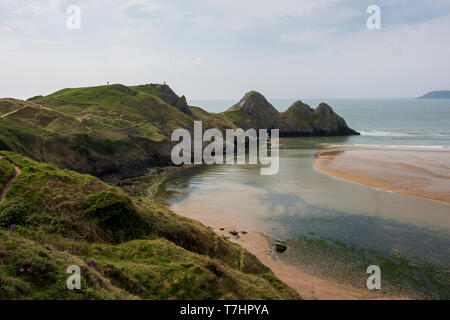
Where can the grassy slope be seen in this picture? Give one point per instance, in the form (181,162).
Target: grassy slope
(302,122)
(111,129)
(98,130)
(6,172)
(140,248)
(241,118)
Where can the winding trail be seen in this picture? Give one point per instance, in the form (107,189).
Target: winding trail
(8,184)
(10,113)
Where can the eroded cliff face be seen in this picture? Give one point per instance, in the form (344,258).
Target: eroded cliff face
(300,119)
(330,123)
(254,111)
(165,93)
(297,119)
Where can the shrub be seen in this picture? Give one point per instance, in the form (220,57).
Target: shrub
(13,212)
(115,215)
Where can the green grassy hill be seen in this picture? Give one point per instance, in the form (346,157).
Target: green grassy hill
(141,249)
(100,130)
(121,131)
(6,172)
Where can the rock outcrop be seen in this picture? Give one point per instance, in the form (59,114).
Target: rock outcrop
(165,93)
(262,113)
(254,111)
(297,119)
(330,123)
(119,132)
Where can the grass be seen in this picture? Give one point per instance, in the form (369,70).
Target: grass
(66,217)
(241,118)
(101,130)
(6,172)
(110,130)
(140,269)
(118,104)
(301,123)
(140,248)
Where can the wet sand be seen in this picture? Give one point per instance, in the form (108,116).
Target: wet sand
(417,172)
(308,286)
(239,208)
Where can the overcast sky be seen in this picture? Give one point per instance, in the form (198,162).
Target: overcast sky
(217,49)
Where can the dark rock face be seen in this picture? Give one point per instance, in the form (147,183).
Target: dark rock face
(301,120)
(280,247)
(329,123)
(300,108)
(182,105)
(298,120)
(167,94)
(263,114)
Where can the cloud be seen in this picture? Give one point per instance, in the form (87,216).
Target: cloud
(144,9)
(18,26)
(269,10)
(58,5)
(306,36)
(200,45)
(45,42)
(30,10)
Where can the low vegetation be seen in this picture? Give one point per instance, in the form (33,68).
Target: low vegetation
(102,130)
(53,217)
(6,172)
(126,247)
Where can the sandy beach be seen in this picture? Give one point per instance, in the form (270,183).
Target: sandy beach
(412,171)
(220,200)
(309,287)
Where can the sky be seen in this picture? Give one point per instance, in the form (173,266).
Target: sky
(217,49)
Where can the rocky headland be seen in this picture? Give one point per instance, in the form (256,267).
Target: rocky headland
(254,111)
(120,132)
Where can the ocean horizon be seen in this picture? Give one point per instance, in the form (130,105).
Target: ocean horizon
(381,121)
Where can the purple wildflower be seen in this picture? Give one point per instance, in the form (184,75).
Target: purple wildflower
(13,227)
(95,280)
(92,263)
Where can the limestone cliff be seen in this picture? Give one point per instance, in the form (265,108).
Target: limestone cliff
(254,111)
(301,120)
(258,112)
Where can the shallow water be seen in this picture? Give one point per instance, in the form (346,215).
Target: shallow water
(300,200)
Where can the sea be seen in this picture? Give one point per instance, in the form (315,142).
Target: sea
(334,228)
(398,122)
